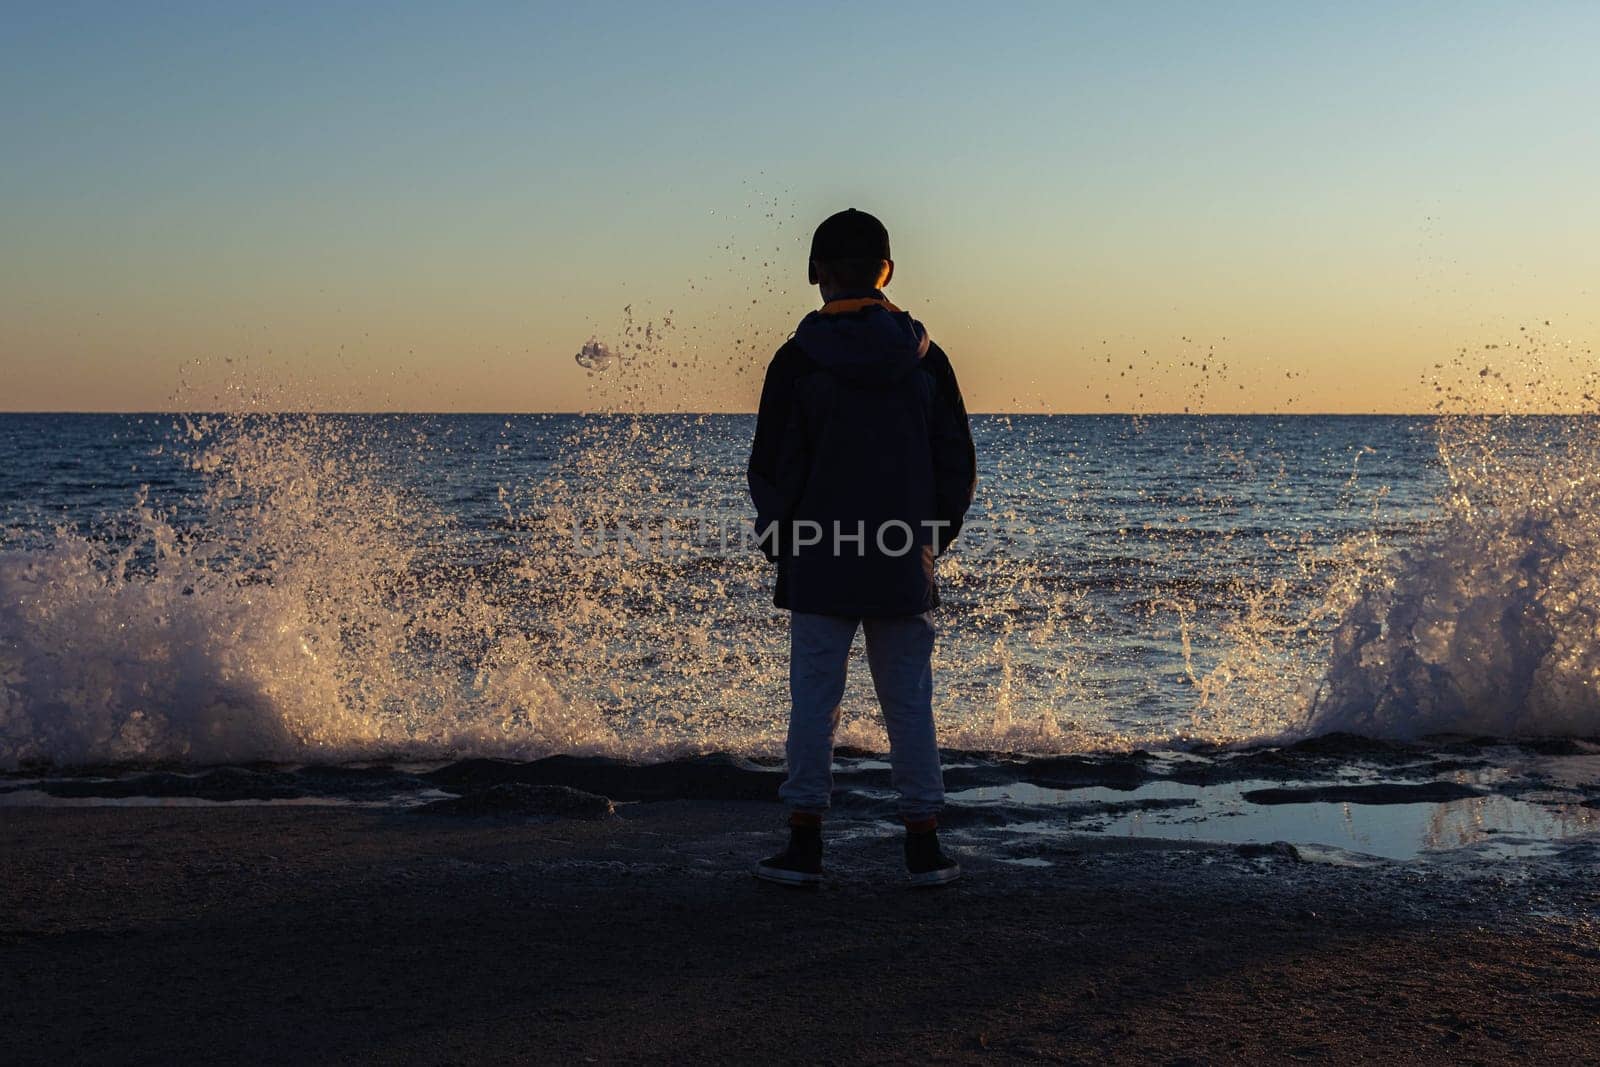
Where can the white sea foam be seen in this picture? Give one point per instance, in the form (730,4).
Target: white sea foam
(1491,625)
(297,620)
(1488,624)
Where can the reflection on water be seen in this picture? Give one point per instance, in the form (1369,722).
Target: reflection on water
(1504,825)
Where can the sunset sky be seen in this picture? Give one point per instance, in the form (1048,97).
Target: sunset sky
(430,207)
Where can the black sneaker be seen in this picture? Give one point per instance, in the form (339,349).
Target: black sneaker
(927,865)
(800,863)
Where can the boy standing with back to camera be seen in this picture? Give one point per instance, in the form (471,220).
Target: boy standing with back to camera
(861,472)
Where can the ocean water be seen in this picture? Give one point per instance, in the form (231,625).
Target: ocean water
(208,589)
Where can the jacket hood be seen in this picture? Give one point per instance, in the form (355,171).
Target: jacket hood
(865,340)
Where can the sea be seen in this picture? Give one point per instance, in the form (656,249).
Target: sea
(205,589)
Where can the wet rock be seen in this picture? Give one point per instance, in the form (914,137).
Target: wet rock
(713,777)
(964,816)
(1307,760)
(1557,746)
(972,755)
(959,778)
(1543,746)
(517,799)
(221,784)
(1381,793)
(1075,772)
(1276,850)
(1279,764)
(353,783)
(1353,746)
(235,783)
(1444,766)
(1122,807)
(1069,815)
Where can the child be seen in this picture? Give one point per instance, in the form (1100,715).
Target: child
(861,472)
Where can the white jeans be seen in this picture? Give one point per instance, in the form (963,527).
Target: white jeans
(900,652)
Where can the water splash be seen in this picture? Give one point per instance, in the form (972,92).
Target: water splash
(1486,622)
(594,356)
(326,596)
(314,602)
(318,600)
(299,617)
(1489,626)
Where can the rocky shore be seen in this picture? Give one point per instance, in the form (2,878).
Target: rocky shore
(534,916)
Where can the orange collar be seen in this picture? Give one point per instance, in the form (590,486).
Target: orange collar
(844,307)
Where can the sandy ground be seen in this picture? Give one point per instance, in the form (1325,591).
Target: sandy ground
(326,935)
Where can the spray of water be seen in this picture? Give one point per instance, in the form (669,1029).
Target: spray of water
(314,604)
(1490,625)
(300,617)
(1485,624)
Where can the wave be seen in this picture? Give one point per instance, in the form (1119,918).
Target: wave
(313,605)
(292,621)
(1491,625)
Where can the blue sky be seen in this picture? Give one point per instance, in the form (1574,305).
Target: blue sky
(406,205)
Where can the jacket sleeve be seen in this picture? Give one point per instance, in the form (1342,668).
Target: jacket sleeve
(955,460)
(776,430)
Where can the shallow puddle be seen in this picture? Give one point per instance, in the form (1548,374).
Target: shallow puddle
(1501,825)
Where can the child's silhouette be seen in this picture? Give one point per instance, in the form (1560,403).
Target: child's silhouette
(861,471)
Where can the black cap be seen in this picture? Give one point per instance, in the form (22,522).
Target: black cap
(850,234)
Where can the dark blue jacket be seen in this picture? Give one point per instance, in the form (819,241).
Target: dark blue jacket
(862,445)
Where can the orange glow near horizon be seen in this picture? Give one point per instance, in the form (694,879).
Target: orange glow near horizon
(1240,209)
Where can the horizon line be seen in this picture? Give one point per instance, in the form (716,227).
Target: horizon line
(589,412)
